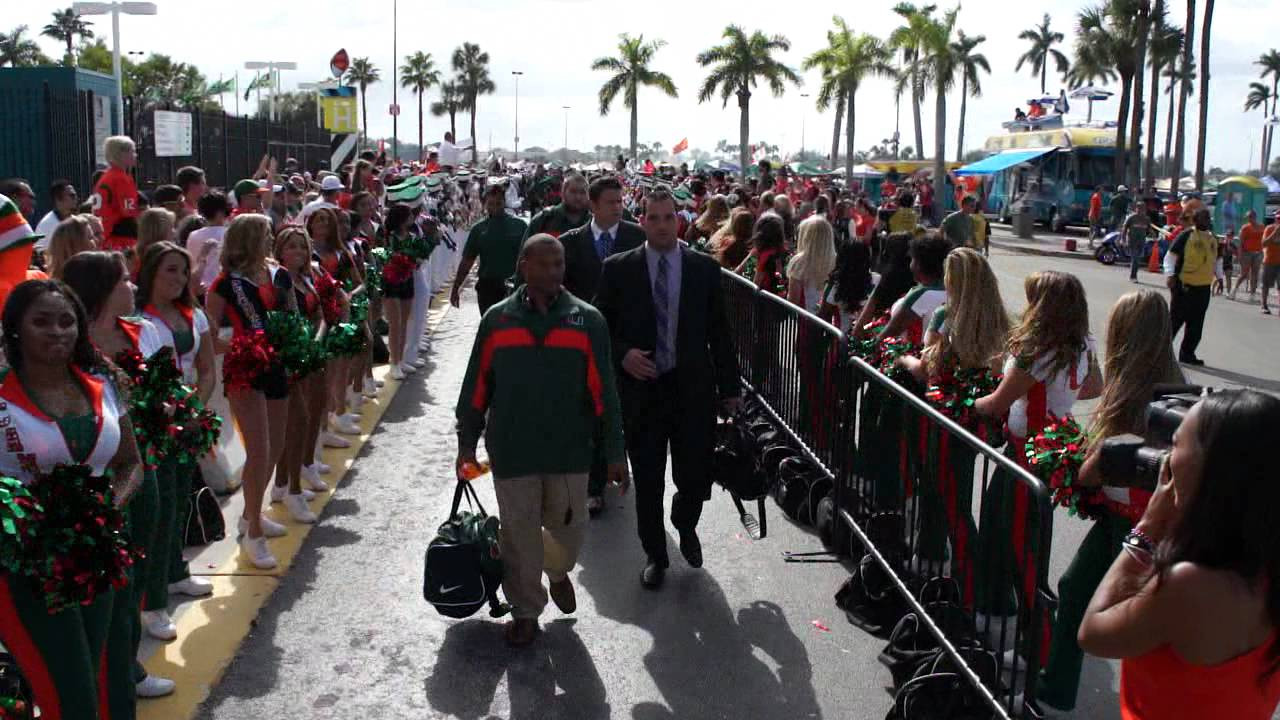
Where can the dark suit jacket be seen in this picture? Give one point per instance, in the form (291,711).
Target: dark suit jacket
(706,366)
(582,264)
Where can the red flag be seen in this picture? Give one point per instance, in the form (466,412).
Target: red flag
(680,146)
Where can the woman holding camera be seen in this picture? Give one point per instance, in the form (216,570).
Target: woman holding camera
(1139,356)
(1192,604)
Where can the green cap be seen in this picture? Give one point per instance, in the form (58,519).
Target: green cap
(246,187)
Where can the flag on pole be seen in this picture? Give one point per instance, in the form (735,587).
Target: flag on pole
(16,242)
(680,146)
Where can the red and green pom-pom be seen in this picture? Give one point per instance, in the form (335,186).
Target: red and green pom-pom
(290,336)
(13,708)
(157,389)
(890,350)
(399,269)
(249,356)
(330,299)
(345,340)
(1055,455)
(19,520)
(955,393)
(867,346)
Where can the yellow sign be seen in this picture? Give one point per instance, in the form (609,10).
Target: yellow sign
(1072,137)
(340,114)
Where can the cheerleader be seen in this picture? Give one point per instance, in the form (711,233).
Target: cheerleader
(166,300)
(358,246)
(1139,356)
(249,287)
(60,407)
(397,286)
(331,254)
(306,393)
(1050,364)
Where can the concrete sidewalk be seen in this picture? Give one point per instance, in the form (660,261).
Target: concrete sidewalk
(1043,243)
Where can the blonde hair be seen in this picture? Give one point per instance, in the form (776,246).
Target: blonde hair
(815,256)
(154,225)
(71,237)
(977,325)
(1139,356)
(244,247)
(714,215)
(115,147)
(1055,323)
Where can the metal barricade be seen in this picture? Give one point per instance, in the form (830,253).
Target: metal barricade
(894,457)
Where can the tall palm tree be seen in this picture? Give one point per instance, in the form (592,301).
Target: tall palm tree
(66,27)
(1142,31)
(472,65)
(737,66)
(1203,130)
(1188,61)
(450,103)
(943,62)
(363,73)
(1270,64)
(830,90)
(1166,44)
(1175,74)
(630,70)
(419,74)
(1106,36)
(1042,50)
(1258,98)
(847,60)
(970,64)
(909,40)
(19,51)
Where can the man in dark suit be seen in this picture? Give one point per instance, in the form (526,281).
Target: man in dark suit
(585,250)
(666,315)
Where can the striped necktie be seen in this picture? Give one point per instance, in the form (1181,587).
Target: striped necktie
(662,353)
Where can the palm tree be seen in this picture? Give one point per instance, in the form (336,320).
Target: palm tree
(420,75)
(943,62)
(19,51)
(66,27)
(1042,50)
(1259,96)
(1142,32)
(1106,37)
(970,64)
(631,70)
(830,89)
(1270,63)
(909,40)
(362,73)
(1166,44)
(450,103)
(1203,130)
(1188,61)
(472,66)
(847,61)
(737,66)
(1176,75)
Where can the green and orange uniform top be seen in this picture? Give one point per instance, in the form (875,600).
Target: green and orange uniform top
(543,384)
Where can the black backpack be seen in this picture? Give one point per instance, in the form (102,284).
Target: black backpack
(204,514)
(939,691)
(463,563)
(735,468)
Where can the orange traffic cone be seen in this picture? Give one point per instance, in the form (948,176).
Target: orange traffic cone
(1153,262)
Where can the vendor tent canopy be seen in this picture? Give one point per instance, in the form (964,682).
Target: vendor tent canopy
(1002,161)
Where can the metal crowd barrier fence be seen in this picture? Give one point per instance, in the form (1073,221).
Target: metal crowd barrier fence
(915,491)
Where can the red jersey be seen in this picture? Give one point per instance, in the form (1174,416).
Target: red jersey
(116,200)
(1095,206)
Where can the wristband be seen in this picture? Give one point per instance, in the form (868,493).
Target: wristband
(1139,541)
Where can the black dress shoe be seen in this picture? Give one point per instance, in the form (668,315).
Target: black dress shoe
(1191,361)
(651,576)
(691,548)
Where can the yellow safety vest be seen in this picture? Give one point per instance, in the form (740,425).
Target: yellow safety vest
(1199,256)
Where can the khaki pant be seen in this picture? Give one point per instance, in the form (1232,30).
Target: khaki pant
(535,537)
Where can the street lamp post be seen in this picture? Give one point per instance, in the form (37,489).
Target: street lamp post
(802,114)
(516,152)
(271,66)
(114,9)
(566,109)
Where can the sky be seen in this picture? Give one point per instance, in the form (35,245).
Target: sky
(553,42)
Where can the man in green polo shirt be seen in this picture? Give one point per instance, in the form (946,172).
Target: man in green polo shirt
(572,212)
(495,242)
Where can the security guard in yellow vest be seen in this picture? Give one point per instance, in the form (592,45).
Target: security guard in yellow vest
(1194,269)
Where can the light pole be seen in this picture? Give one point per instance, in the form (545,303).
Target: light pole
(516,152)
(566,109)
(114,9)
(271,66)
(804,96)
(395,105)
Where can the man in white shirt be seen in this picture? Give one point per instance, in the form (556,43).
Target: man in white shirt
(205,245)
(330,188)
(65,200)
(450,154)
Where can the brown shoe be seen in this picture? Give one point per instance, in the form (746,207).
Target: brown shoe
(564,597)
(521,631)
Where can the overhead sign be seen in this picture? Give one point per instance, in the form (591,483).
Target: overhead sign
(173,133)
(340,110)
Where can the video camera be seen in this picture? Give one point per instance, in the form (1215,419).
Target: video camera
(1132,461)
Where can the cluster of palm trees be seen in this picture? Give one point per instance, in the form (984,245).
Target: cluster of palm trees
(419,74)
(1260,95)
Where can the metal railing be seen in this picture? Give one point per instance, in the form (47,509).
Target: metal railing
(891,453)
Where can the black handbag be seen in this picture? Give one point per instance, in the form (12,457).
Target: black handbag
(204,523)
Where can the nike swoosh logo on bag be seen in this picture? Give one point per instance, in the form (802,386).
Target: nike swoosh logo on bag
(446,590)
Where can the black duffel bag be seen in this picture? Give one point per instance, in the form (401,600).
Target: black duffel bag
(463,563)
(735,468)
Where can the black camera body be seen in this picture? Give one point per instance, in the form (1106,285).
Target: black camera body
(1133,461)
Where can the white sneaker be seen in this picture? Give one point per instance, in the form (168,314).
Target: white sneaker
(258,554)
(370,388)
(343,424)
(298,510)
(192,587)
(354,400)
(320,468)
(333,440)
(378,383)
(312,482)
(419,363)
(152,686)
(159,625)
(407,368)
(270,528)
(279,492)
(354,417)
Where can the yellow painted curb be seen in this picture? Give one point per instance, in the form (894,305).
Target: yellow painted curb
(210,629)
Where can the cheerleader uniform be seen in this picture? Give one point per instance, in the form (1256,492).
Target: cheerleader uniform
(1009,531)
(61,655)
(249,304)
(402,290)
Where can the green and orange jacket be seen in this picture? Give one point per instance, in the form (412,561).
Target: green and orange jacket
(546,384)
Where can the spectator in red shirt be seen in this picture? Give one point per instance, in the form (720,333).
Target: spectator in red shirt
(115,197)
(1095,214)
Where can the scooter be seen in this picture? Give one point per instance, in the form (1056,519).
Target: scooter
(1114,249)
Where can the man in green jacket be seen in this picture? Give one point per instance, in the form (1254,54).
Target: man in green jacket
(541,378)
(572,212)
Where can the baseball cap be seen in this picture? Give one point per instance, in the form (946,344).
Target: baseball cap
(264,185)
(246,187)
(1121,188)
(330,183)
